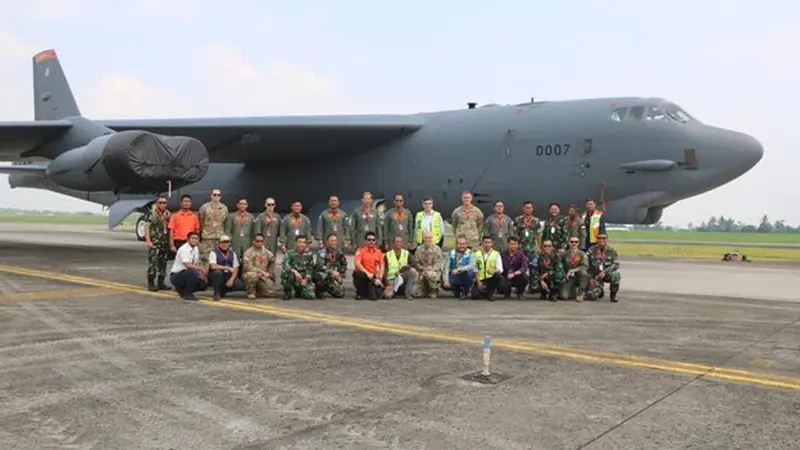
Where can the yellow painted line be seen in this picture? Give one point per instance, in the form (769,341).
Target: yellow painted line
(55,294)
(722,373)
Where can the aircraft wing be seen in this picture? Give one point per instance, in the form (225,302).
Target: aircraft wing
(16,138)
(282,138)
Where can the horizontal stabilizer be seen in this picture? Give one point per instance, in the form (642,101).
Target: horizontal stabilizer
(122,209)
(20,137)
(282,138)
(31,168)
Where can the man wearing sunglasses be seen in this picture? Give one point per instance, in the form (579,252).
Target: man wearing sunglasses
(213,217)
(259,269)
(156,236)
(268,224)
(367,278)
(603,268)
(549,273)
(576,265)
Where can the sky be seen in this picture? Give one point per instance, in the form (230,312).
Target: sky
(731,66)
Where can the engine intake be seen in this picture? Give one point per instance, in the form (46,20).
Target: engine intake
(131,162)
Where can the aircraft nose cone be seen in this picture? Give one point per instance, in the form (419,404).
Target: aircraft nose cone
(748,151)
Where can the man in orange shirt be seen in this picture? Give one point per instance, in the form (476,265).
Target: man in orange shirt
(183,222)
(369,269)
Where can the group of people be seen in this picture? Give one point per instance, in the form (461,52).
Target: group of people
(397,253)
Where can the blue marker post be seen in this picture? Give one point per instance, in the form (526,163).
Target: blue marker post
(487,355)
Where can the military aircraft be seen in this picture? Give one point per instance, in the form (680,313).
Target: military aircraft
(636,156)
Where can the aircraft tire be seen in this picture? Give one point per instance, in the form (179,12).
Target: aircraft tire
(138,230)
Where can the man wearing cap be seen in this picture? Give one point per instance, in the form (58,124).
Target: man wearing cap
(258,265)
(223,266)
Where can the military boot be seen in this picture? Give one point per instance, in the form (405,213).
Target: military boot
(161,285)
(614,290)
(287,294)
(151,285)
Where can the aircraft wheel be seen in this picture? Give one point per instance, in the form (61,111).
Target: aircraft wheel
(139,229)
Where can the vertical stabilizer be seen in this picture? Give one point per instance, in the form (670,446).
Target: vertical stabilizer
(52,97)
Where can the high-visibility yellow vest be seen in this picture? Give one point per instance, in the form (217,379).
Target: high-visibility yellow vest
(594,225)
(487,265)
(394,263)
(436,230)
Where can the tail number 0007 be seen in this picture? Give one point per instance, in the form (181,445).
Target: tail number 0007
(552,149)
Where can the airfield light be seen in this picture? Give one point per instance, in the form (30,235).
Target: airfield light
(487,355)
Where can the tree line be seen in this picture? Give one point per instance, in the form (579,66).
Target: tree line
(724,224)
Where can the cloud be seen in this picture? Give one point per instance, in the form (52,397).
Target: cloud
(275,88)
(119,97)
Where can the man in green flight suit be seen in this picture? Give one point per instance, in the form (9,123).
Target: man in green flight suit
(329,269)
(156,235)
(603,268)
(333,221)
(239,227)
(363,220)
(293,225)
(268,224)
(297,270)
(576,266)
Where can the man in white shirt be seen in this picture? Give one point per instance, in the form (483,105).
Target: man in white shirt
(489,268)
(223,269)
(187,274)
(429,220)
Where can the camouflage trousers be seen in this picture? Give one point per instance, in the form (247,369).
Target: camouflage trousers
(206,246)
(573,286)
(256,285)
(428,282)
(290,285)
(157,260)
(594,288)
(326,285)
(552,285)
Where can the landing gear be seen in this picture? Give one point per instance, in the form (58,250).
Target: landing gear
(139,228)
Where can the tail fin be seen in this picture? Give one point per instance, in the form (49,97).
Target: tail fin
(52,97)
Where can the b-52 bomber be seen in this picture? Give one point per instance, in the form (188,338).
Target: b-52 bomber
(636,156)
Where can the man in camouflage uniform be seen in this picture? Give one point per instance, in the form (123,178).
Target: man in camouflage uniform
(213,215)
(239,227)
(333,221)
(576,266)
(555,228)
(156,234)
(297,271)
(398,222)
(550,272)
(528,229)
(499,226)
(574,226)
(603,268)
(429,260)
(258,265)
(329,269)
(293,225)
(467,221)
(364,220)
(268,224)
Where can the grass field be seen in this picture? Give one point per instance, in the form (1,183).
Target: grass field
(707,252)
(63,219)
(696,236)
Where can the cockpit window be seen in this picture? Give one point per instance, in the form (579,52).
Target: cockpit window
(676,113)
(655,113)
(618,114)
(636,113)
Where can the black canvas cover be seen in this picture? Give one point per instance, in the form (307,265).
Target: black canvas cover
(143,161)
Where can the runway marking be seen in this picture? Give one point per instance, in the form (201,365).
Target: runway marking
(55,294)
(703,370)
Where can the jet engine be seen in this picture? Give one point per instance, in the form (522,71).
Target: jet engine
(131,162)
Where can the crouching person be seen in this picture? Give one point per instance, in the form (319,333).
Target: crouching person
(187,275)
(298,267)
(576,266)
(515,270)
(549,273)
(259,269)
(329,269)
(461,269)
(400,275)
(489,267)
(603,268)
(223,265)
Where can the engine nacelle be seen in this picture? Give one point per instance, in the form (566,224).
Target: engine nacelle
(131,162)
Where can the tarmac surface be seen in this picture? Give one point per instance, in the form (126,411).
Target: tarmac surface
(695,355)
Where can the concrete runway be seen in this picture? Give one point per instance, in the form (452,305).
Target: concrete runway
(695,355)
